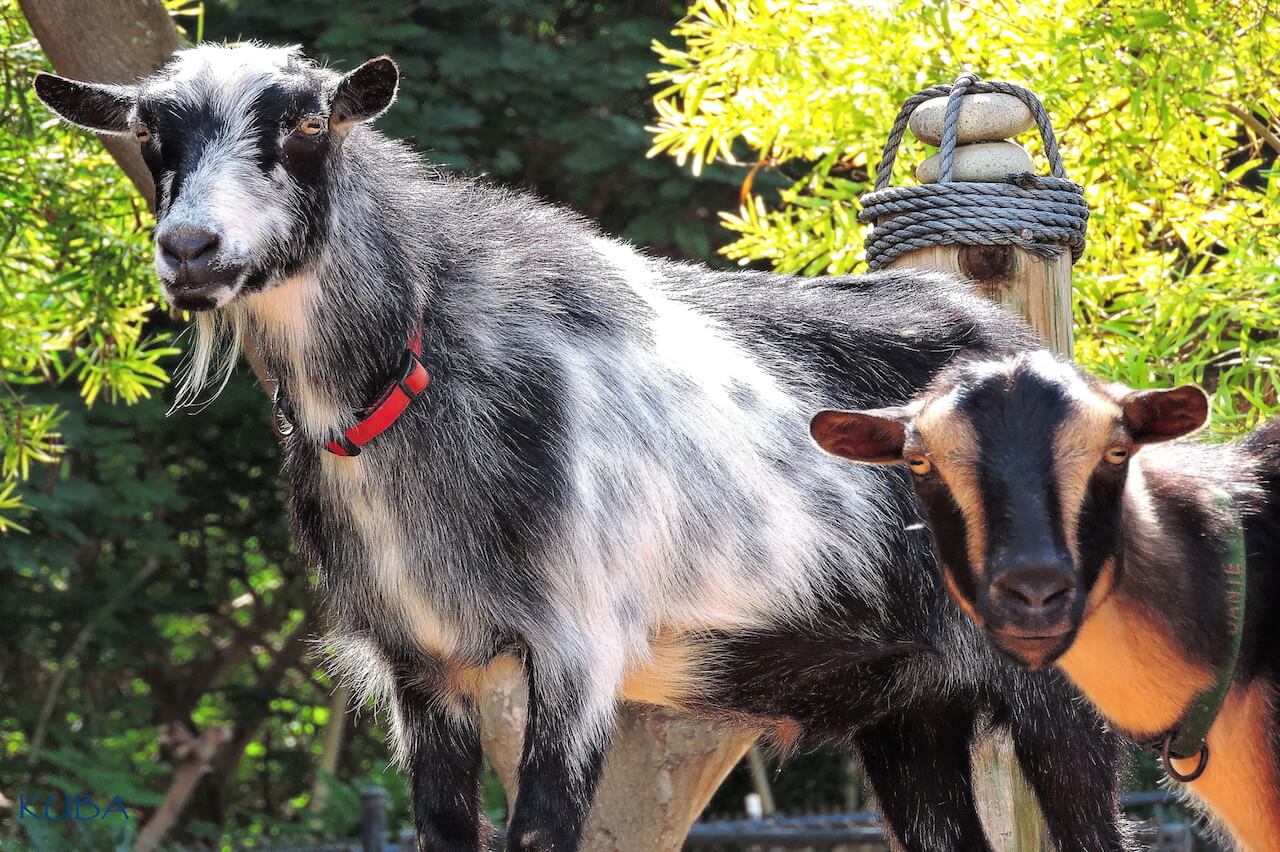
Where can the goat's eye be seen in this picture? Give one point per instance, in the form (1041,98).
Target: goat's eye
(311,125)
(919,464)
(142,133)
(1117,455)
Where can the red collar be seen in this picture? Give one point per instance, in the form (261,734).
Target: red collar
(377,417)
(390,404)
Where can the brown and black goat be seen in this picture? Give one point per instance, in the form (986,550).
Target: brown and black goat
(1075,531)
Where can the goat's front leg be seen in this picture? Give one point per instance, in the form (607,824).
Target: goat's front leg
(1071,761)
(920,772)
(570,719)
(440,735)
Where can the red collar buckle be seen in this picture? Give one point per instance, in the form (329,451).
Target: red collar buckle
(394,400)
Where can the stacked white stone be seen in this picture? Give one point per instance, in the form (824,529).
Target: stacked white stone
(983,153)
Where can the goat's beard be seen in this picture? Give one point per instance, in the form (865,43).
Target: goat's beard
(216,338)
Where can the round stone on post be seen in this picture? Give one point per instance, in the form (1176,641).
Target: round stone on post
(983,162)
(986,117)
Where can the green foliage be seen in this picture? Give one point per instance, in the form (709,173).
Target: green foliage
(74,289)
(1168,114)
(157,586)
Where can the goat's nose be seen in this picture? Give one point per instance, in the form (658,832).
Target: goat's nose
(187,243)
(1034,593)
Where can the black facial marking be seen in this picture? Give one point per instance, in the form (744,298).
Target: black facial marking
(276,113)
(1015,419)
(180,135)
(950,534)
(1100,523)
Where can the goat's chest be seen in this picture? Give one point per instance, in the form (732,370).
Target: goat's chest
(384,567)
(1132,670)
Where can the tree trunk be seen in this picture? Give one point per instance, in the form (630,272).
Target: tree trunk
(106,41)
(331,751)
(193,758)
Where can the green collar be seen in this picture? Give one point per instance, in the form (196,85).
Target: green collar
(1188,739)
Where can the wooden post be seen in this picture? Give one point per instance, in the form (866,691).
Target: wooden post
(1036,289)
(192,757)
(760,780)
(1040,292)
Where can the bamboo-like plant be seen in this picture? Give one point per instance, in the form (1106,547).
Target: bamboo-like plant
(1169,115)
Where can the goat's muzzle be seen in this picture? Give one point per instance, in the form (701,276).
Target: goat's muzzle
(194,268)
(1030,610)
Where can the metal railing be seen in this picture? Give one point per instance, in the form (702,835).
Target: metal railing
(849,832)
(861,832)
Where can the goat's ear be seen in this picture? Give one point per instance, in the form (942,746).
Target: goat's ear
(870,437)
(1152,416)
(364,94)
(100,107)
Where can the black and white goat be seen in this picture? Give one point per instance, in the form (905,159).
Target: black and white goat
(606,479)
(1074,534)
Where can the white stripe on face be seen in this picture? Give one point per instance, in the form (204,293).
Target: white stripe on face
(224,188)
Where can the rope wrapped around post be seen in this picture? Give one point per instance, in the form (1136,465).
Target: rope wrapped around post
(1043,215)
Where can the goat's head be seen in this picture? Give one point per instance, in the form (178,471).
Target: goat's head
(240,142)
(1020,467)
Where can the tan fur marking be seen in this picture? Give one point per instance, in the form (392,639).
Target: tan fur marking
(431,628)
(1124,661)
(1102,589)
(965,606)
(1079,444)
(785,734)
(668,676)
(1240,785)
(284,308)
(952,445)
(284,312)
(471,680)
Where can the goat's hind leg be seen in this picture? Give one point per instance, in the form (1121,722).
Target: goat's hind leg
(440,737)
(920,772)
(570,719)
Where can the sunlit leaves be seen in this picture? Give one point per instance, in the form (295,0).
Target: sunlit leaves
(31,436)
(1169,114)
(10,504)
(75,287)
